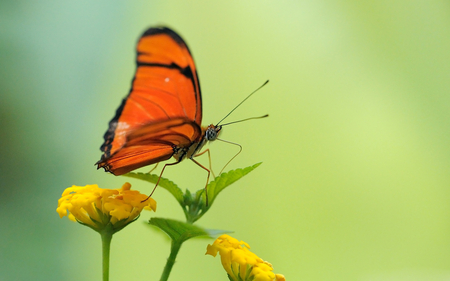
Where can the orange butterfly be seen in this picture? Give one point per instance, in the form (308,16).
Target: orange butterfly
(161,116)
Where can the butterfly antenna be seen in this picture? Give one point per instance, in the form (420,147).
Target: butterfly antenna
(259,117)
(242,102)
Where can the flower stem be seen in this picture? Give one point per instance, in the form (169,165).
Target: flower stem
(176,245)
(106,244)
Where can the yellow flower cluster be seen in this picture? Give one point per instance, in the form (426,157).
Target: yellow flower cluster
(98,208)
(240,263)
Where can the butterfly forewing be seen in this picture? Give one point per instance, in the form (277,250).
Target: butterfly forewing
(177,131)
(163,109)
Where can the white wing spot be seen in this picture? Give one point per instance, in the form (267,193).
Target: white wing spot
(122,126)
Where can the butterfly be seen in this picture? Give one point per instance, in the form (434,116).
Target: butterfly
(162,114)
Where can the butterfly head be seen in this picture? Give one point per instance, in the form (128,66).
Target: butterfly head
(212,132)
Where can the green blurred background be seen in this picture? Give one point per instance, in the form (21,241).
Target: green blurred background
(355,177)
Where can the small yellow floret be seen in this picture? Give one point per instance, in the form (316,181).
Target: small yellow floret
(97,207)
(239,262)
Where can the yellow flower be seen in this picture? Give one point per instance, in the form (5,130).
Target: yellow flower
(240,263)
(98,208)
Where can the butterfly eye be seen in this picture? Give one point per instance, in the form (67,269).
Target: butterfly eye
(212,132)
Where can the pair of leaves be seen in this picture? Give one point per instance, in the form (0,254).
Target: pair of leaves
(194,207)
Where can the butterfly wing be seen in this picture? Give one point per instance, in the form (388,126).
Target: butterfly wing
(151,144)
(165,88)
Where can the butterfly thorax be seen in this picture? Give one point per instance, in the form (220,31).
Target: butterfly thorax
(209,133)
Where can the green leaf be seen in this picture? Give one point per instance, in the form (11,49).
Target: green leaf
(194,205)
(226,179)
(180,231)
(163,182)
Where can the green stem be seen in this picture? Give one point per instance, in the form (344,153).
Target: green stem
(176,245)
(106,244)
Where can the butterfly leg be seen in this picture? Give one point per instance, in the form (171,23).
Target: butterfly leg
(240,149)
(209,158)
(207,179)
(154,168)
(160,175)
